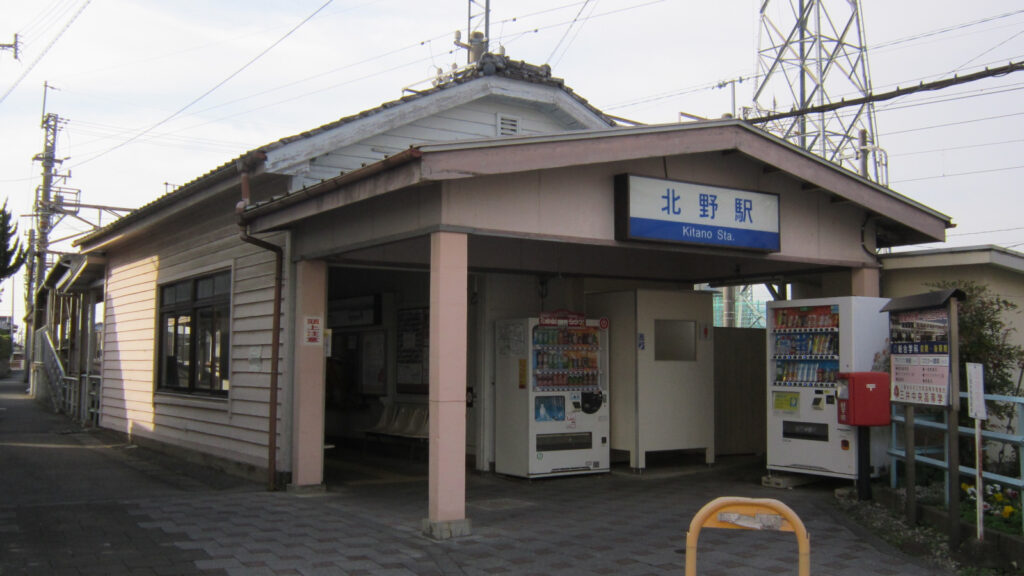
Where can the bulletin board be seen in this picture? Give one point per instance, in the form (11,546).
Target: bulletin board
(373,365)
(413,374)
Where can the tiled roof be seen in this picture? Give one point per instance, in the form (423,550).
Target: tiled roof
(488,65)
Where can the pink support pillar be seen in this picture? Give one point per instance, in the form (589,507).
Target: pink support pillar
(865,282)
(308,383)
(448,316)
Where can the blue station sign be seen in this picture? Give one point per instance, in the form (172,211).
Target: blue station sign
(659,210)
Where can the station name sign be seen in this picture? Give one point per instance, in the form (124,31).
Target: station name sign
(659,210)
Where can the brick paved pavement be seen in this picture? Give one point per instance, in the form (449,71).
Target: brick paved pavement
(83,503)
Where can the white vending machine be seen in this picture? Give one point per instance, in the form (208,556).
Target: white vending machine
(551,397)
(810,342)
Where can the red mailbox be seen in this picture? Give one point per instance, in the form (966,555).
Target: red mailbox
(863,398)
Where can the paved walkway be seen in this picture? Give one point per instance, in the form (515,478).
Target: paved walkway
(77,502)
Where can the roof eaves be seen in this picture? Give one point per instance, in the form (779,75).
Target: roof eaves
(993,255)
(279,202)
(219,174)
(702,125)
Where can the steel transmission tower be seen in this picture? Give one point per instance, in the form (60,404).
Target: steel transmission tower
(811,53)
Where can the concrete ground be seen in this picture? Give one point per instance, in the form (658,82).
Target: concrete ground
(84,502)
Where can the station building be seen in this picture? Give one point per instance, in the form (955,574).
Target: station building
(283,301)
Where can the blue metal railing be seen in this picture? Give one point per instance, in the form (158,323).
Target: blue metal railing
(921,454)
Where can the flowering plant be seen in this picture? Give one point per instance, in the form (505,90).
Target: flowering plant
(1001,506)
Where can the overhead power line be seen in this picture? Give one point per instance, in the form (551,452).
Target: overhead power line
(873,49)
(569,29)
(208,92)
(969,173)
(946,29)
(957,123)
(955,148)
(988,231)
(922,87)
(45,50)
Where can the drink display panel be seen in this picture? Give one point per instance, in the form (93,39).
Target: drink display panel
(806,346)
(566,359)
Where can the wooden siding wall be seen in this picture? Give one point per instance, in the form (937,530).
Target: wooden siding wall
(471,121)
(740,381)
(234,428)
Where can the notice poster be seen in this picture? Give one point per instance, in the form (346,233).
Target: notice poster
(373,363)
(412,372)
(314,331)
(919,343)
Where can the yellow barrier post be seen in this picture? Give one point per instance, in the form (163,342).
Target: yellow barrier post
(748,514)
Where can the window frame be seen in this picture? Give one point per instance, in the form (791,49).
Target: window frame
(182,307)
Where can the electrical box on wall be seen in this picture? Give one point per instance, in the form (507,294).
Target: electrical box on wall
(863,398)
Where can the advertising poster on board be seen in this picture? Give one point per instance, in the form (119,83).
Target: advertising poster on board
(919,346)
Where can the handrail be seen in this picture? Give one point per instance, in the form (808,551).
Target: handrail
(54,369)
(1015,440)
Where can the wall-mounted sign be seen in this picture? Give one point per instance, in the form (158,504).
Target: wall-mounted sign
(687,213)
(413,369)
(314,331)
(976,391)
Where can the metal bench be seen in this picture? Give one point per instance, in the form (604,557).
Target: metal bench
(403,420)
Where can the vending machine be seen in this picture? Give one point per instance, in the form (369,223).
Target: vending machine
(811,343)
(551,396)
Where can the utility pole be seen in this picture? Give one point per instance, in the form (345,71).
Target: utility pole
(732,85)
(53,202)
(39,236)
(43,207)
(12,46)
(478,29)
(813,53)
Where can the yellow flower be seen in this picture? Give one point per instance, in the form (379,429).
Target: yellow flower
(1008,511)
(964,486)
(998,497)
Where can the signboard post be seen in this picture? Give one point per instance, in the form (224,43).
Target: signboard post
(923,335)
(953,428)
(976,409)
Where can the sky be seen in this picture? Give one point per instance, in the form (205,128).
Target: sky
(157,93)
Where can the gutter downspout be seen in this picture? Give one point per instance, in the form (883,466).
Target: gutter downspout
(245,167)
